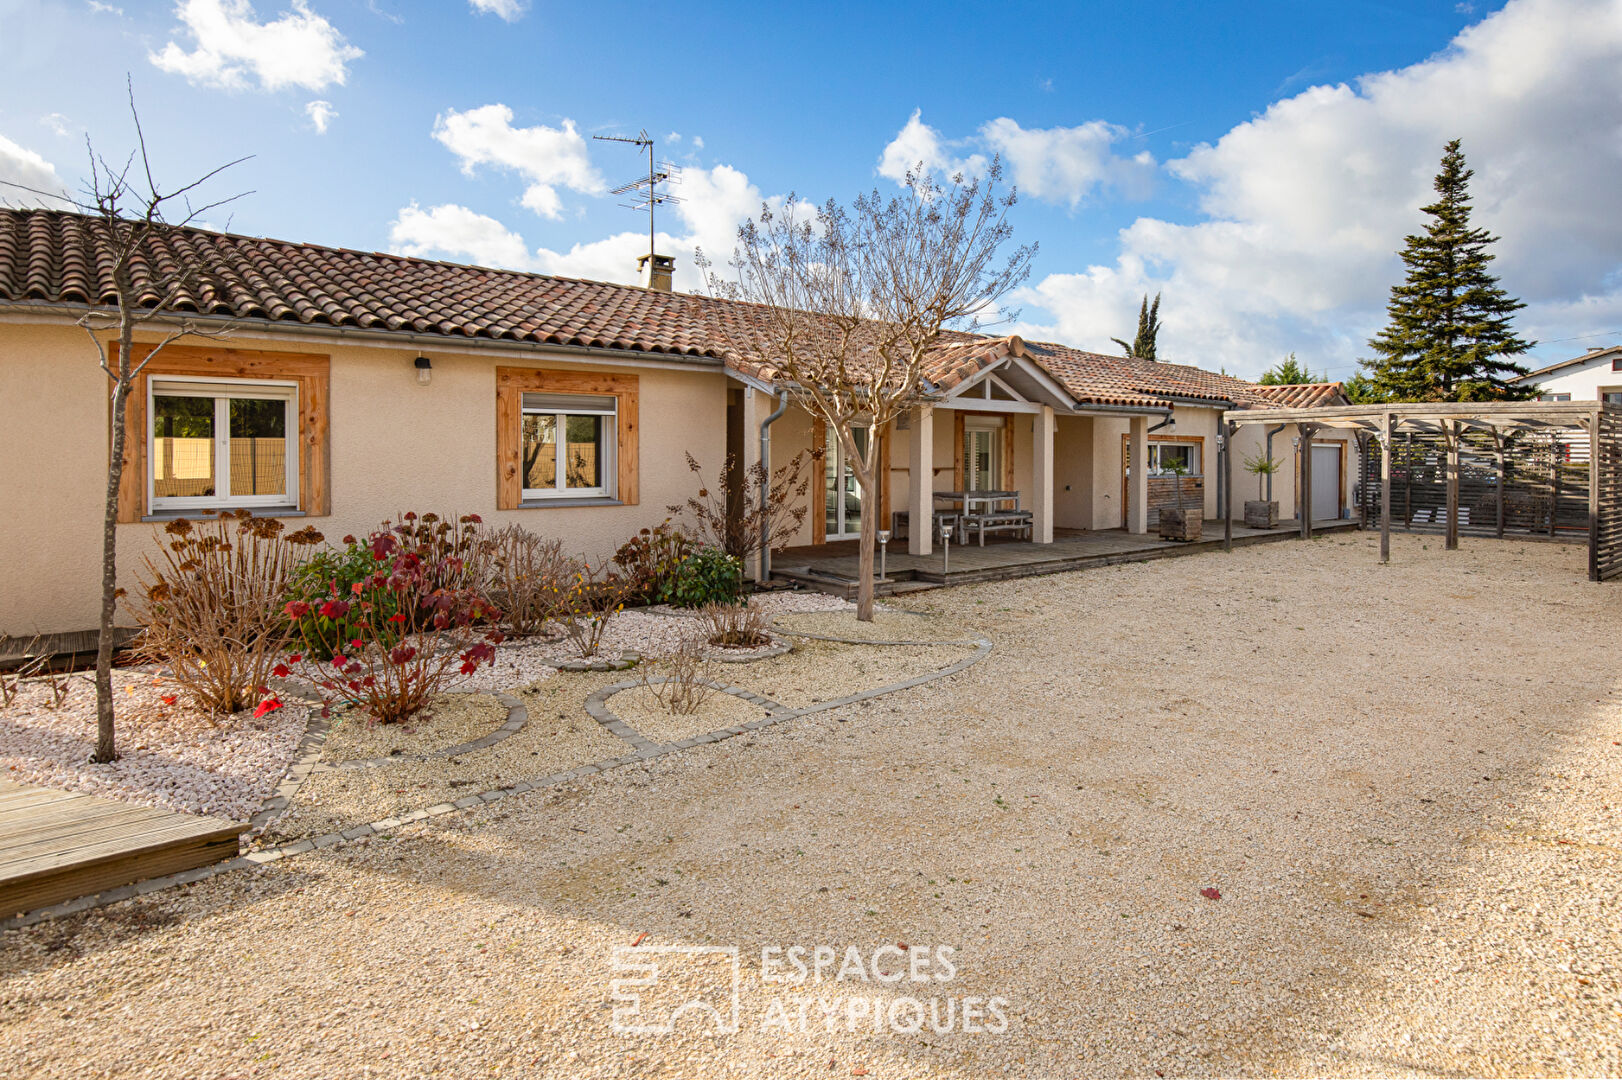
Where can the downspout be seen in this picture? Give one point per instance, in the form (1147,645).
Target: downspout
(1269,451)
(764,571)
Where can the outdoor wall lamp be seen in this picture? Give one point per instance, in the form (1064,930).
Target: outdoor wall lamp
(425,370)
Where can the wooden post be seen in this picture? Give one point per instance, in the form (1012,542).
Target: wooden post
(1593,497)
(1554,481)
(1385,488)
(1226,452)
(1450,433)
(1304,486)
(1408,483)
(1498,447)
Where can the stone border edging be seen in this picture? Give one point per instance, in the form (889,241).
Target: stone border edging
(275,853)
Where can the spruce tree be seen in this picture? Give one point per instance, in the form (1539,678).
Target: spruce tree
(1288,372)
(1143,345)
(1449,338)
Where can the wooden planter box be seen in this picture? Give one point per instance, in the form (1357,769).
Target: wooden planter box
(1181,524)
(1260,515)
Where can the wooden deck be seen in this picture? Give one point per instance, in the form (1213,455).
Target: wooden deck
(59,845)
(832,567)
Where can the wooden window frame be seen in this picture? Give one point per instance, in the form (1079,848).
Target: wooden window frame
(311,372)
(1126,452)
(511,385)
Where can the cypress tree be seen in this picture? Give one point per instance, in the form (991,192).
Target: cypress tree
(1143,345)
(1449,337)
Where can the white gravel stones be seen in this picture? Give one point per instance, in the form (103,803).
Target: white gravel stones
(1402,779)
(172,756)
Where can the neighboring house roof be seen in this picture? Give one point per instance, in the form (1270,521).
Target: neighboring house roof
(51,257)
(1304,395)
(1604,352)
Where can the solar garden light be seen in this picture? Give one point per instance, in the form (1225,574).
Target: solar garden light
(884,550)
(946,546)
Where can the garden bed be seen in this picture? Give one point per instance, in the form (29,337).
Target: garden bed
(172,756)
(452,720)
(641,709)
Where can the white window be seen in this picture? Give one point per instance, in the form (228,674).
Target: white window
(568,445)
(1554,397)
(1163,456)
(221,443)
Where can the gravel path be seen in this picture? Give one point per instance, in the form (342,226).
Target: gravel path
(172,756)
(1410,824)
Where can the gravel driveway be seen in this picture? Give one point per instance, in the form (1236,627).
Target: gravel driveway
(1397,786)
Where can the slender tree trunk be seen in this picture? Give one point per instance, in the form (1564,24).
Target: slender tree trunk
(105,749)
(866,469)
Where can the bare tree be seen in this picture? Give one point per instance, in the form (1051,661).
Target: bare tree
(850,304)
(128,212)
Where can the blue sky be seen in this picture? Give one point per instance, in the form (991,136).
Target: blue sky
(1259,163)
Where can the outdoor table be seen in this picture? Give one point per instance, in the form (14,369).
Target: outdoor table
(987,499)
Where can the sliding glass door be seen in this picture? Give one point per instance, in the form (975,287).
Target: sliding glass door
(842,495)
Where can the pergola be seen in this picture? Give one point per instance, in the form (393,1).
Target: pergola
(1448,425)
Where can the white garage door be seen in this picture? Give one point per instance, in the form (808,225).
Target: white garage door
(1325,481)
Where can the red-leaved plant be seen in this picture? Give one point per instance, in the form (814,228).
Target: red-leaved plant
(391,667)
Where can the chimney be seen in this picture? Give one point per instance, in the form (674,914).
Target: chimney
(657,271)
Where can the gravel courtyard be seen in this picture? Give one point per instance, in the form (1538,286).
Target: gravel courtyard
(1283,811)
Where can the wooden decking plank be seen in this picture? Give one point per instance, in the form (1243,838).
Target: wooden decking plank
(25,797)
(20,834)
(58,845)
(107,841)
(86,879)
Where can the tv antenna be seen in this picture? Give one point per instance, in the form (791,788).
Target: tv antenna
(645,191)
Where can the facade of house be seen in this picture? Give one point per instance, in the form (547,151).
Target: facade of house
(344,388)
(1596,375)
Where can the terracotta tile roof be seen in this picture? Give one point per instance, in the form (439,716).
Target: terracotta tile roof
(1304,395)
(1096,379)
(52,257)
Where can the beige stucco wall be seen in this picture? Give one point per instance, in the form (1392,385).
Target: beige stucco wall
(395,446)
(1250,442)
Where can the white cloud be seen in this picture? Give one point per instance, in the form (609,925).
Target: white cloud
(58,124)
(1304,206)
(460,233)
(548,158)
(510,10)
(698,142)
(714,203)
(321,114)
(1058,165)
(21,168)
(234,51)
(98,8)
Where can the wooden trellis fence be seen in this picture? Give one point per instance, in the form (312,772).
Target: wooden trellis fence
(1495,469)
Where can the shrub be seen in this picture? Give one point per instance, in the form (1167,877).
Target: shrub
(449,549)
(650,561)
(211,605)
(586,603)
(339,574)
(686,684)
(393,666)
(526,576)
(741,529)
(734,626)
(707,576)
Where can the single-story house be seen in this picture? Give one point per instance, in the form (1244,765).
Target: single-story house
(1596,375)
(347,387)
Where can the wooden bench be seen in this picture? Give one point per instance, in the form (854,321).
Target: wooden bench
(900,523)
(1015,521)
